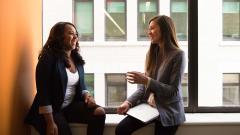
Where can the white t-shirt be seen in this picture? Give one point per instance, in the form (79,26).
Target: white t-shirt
(73,79)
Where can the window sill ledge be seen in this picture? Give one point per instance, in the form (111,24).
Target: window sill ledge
(197,123)
(191,119)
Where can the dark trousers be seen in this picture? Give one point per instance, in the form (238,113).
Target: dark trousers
(128,125)
(76,113)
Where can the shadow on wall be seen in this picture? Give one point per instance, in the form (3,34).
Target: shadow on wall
(22,92)
(20,42)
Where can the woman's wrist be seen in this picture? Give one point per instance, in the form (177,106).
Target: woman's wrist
(147,82)
(87,95)
(49,118)
(128,103)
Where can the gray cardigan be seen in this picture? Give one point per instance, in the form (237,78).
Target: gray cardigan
(167,90)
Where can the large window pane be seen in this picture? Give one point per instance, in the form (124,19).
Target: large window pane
(116,87)
(146,10)
(216,89)
(84,19)
(115,20)
(89,80)
(179,14)
(231,86)
(231,19)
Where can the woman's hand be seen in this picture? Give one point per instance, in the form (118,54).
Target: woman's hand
(52,128)
(151,100)
(123,108)
(89,100)
(136,77)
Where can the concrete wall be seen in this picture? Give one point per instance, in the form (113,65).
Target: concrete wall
(198,129)
(20,41)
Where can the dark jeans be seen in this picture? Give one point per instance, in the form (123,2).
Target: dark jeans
(75,113)
(128,125)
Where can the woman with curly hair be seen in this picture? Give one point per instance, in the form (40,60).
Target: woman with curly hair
(62,96)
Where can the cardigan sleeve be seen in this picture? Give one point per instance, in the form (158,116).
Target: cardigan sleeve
(137,95)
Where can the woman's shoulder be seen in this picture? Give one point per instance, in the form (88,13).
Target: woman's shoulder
(177,53)
(179,56)
(47,58)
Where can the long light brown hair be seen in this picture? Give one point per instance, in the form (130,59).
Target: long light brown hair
(168,41)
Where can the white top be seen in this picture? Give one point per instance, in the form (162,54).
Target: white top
(73,79)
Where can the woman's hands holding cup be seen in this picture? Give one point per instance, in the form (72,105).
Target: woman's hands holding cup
(135,77)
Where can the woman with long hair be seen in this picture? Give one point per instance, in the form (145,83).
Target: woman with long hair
(160,85)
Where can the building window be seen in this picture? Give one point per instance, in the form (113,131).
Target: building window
(179,14)
(83,19)
(146,10)
(185,89)
(89,80)
(115,20)
(116,89)
(231,19)
(231,94)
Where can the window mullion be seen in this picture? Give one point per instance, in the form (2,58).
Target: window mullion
(193,54)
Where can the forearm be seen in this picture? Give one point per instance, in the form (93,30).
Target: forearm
(137,95)
(162,89)
(48,118)
(46,111)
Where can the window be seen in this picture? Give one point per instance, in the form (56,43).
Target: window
(83,19)
(231,19)
(203,25)
(185,89)
(115,20)
(146,10)
(116,89)
(179,14)
(89,80)
(216,92)
(231,85)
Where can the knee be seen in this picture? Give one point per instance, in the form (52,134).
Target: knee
(99,111)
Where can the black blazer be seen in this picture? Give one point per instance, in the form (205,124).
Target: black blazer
(51,81)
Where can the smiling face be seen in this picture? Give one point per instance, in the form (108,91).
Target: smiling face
(154,32)
(70,37)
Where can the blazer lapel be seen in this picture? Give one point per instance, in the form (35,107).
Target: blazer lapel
(63,76)
(81,77)
(79,73)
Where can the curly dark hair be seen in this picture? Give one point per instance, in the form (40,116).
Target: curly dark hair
(55,45)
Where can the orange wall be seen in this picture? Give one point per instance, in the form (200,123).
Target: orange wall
(20,42)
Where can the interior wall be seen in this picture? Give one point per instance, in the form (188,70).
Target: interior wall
(20,42)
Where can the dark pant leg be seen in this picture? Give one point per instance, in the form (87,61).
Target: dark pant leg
(96,125)
(61,122)
(161,130)
(78,112)
(39,125)
(128,125)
